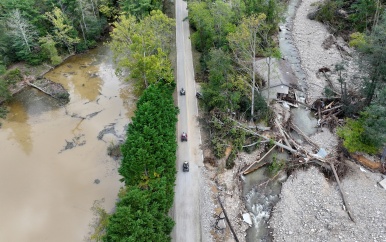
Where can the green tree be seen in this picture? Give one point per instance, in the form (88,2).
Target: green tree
(138,218)
(6,80)
(364,13)
(148,149)
(151,69)
(4,92)
(141,47)
(108,9)
(223,22)
(63,32)
(202,21)
(140,8)
(89,21)
(48,47)
(245,43)
(239,10)
(375,120)
(368,132)
(224,88)
(21,29)
(374,53)
(148,170)
(271,8)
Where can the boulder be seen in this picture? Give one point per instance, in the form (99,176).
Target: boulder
(247,218)
(221,224)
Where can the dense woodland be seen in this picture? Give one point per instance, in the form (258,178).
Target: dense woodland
(44,32)
(228,37)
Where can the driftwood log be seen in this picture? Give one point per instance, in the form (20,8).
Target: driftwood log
(346,205)
(227,219)
(297,129)
(40,89)
(249,170)
(49,87)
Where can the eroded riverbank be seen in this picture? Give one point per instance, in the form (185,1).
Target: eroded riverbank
(48,191)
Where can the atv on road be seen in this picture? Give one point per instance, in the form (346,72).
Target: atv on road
(185,167)
(184,137)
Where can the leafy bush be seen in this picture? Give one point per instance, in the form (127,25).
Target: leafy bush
(327,12)
(357,39)
(101,223)
(355,138)
(3,112)
(230,162)
(2,69)
(276,165)
(12,76)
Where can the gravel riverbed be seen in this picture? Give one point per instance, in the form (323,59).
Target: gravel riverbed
(311,207)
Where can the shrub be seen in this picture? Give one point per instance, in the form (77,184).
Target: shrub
(276,165)
(355,138)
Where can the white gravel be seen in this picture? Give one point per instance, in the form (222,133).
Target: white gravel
(308,36)
(207,205)
(311,207)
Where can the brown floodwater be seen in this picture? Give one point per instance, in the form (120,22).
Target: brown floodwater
(52,155)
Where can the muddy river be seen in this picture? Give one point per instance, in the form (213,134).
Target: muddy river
(54,164)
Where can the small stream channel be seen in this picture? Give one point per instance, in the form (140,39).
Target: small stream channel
(260,199)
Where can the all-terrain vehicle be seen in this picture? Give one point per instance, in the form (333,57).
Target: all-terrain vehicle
(182,92)
(199,95)
(184,137)
(185,166)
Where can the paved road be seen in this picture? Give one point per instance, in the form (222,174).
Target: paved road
(186,210)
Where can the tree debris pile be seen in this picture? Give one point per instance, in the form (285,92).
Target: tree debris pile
(53,89)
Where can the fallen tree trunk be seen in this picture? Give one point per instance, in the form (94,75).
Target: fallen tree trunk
(296,128)
(306,105)
(267,139)
(40,89)
(246,171)
(336,107)
(254,168)
(342,193)
(282,133)
(227,219)
(50,88)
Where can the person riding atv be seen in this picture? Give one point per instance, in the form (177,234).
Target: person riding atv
(185,166)
(184,137)
(182,92)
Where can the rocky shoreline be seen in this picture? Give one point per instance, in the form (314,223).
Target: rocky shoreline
(35,79)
